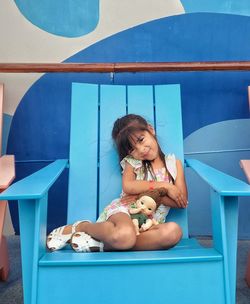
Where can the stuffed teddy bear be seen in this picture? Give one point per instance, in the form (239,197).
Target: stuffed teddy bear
(143,209)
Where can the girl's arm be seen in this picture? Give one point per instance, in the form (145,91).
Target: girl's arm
(132,186)
(177,193)
(167,201)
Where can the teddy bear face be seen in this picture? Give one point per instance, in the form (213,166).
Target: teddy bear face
(146,204)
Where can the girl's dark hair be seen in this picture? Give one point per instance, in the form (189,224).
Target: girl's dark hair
(123,130)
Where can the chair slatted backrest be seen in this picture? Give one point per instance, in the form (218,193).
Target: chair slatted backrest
(95,173)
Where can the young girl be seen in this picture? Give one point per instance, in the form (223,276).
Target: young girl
(144,167)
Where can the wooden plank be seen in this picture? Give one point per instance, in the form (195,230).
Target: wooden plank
(140,101)
(124,67)
(82,196)
(169,132)
(202,282)
(3,207)
(245,165)
(7,169)
(249,97)
(1,116)
(222,183)
(225,228)
(36,185)
(169,119)
(186,255)
(112,106)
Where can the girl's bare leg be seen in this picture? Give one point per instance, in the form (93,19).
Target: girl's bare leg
(117,233)
(162,236)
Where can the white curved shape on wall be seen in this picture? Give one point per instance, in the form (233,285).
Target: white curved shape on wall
(219,137)
(21,41)
(220,145)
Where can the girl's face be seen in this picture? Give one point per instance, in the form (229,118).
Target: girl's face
(145,146)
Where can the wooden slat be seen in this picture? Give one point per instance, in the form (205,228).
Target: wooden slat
(245,165)
(124,67)
(7,169)
(222,183)
(170,136)
(36,185)
(83,153)
(1,116)
(249,96)
(169,119)
(187,255)
(183,66)
(112,106)
(3,207)
(140,101)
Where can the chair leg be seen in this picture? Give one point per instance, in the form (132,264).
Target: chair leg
(247,276)
(4,258)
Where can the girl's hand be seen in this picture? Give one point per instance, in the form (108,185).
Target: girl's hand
(129,198)
(175,194)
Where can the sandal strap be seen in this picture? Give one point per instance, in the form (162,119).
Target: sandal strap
(57,239)
(84,242)
(57,231)
(77,223)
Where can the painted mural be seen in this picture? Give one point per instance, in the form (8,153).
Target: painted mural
(215,105)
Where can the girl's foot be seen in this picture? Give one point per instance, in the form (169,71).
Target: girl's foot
(82,242)
(61,236)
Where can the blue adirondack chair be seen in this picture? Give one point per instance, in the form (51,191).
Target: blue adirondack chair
(188,273)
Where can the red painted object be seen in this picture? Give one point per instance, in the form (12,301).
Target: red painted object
(245,165)
(4,259)
(7,174)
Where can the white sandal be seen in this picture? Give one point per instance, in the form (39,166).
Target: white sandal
(83,242)
(57,240)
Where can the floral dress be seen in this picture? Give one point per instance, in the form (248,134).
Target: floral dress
(117,206)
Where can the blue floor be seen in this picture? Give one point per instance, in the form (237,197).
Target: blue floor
(11,290)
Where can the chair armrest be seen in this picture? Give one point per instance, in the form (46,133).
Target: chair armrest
(37,184)
(222,183)
(7,171)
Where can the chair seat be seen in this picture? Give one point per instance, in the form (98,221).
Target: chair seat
(189,250)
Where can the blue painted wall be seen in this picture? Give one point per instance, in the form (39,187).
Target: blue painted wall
(68,18)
